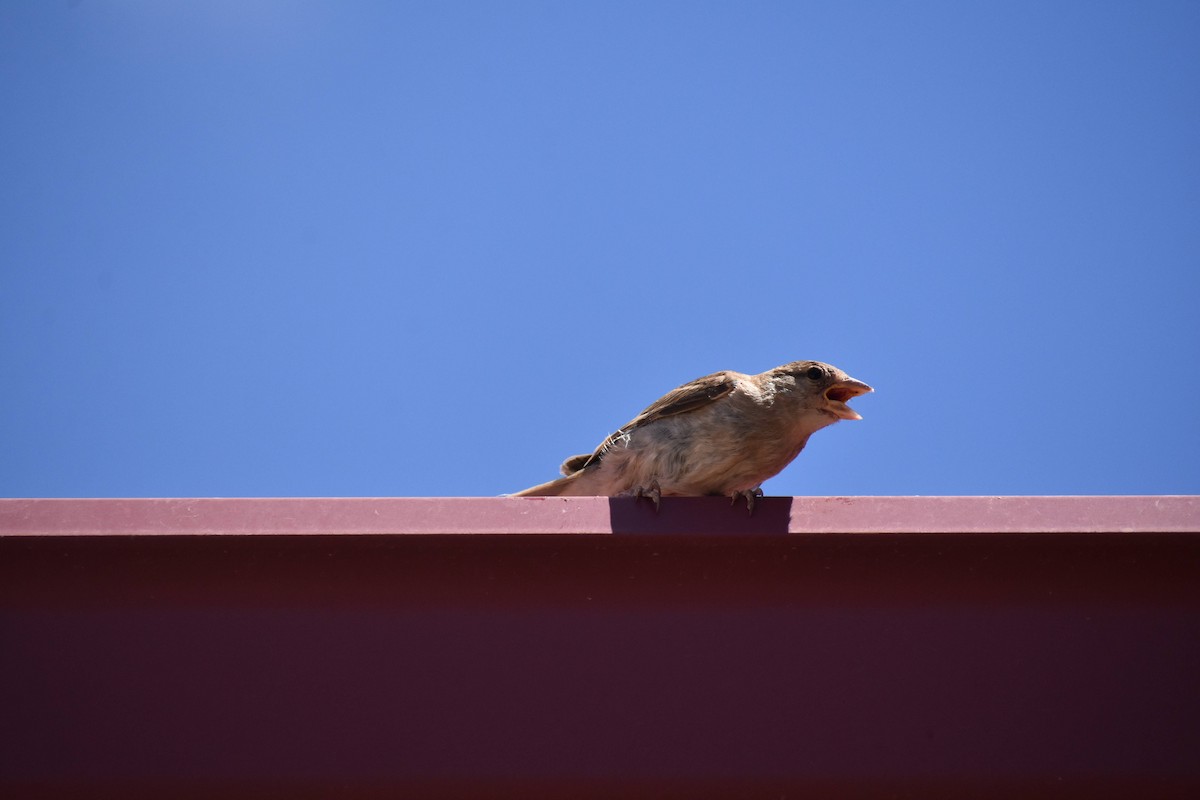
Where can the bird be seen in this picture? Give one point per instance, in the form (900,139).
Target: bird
(722,434)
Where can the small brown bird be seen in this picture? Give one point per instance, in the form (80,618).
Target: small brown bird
(722,434)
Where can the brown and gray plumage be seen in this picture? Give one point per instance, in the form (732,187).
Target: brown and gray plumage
(722,434)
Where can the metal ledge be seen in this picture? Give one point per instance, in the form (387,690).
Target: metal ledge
(366,647)
(597,515)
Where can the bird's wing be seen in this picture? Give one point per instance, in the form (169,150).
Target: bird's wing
(687,398)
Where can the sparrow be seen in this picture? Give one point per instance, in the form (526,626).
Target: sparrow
(723,434)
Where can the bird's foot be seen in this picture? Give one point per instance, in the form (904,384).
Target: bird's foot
(751,496)
(652,491)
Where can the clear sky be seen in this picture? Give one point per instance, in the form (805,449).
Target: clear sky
(383,248)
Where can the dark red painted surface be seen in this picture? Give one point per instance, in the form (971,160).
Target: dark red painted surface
(368,648)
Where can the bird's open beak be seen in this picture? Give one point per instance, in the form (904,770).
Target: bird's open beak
(837,395)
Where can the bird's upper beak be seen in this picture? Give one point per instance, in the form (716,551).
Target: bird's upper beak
(837,395)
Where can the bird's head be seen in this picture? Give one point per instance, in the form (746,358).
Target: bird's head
(826,387)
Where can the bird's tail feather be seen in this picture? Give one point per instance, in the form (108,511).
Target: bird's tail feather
(555,488)
(576,463)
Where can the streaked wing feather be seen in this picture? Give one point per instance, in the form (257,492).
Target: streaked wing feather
(689,397)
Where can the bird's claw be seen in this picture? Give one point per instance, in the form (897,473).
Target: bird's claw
(653,492)
(751,496)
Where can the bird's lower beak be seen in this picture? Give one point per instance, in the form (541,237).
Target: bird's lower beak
(837,395)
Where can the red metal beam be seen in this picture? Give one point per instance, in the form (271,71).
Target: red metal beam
(592,515)
(830,646)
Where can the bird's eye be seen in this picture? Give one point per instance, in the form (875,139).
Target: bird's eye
(815,373)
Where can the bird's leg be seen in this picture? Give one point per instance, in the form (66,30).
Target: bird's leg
(652,491)
(751,496)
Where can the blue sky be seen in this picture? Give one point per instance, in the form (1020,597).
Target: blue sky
(351,248)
